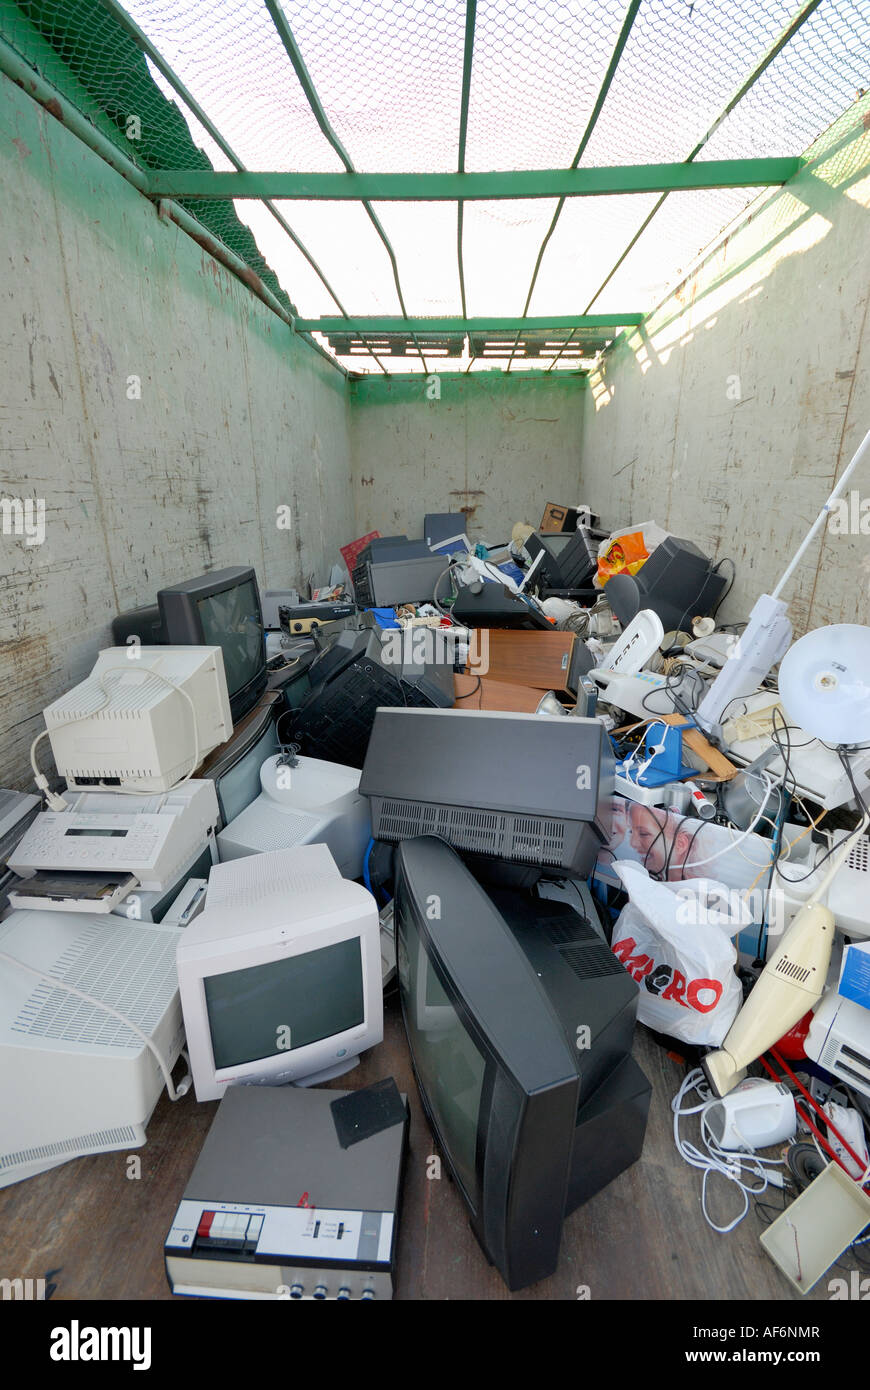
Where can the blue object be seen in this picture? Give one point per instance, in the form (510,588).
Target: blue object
(384,617)
(512,571)
(663,766)
(855,979)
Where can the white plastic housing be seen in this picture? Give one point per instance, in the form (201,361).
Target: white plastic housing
(125,722)
(263,909)
(792,980)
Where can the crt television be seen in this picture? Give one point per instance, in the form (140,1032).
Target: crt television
(280,975)
(531,790)
(495,991)
(221,609)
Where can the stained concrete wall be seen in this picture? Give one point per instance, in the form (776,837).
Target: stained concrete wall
(498,446)
(234,418)
(728,416)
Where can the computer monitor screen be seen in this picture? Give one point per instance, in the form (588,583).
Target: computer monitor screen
(222,608)
(231,620)
(280,975)
(321,991)
(450,1066)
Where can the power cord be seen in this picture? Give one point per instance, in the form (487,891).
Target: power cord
(728,1163)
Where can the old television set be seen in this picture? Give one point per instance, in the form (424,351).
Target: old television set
(494,989)
(529,790)
(280,975)
(221,609)
(359,673)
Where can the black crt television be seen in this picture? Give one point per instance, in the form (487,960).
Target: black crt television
(532,791)
(570,558)
(221,609)
(495,993)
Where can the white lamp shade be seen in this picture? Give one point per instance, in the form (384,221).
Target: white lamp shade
(824,683)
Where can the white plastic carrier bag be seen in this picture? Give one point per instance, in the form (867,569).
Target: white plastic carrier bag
(675,939)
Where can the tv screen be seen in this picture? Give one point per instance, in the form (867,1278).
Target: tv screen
(495,987)
(231,620)
(222,609)
(286,1004)
(449,1065)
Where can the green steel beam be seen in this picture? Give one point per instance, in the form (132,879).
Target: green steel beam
(147,47)
(630,16)
(772,51)
(470,21)
(61,107)
(388,324)
(449,187)
(285,33)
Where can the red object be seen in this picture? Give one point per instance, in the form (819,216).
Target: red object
(829,1124)
(204,1226)
(303,1200)
(791,1044)
(351,553)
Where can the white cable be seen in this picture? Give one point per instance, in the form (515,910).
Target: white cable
(175,1093)
(699,863)
(717,1159)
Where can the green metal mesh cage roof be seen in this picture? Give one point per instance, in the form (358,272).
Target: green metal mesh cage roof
(413,176)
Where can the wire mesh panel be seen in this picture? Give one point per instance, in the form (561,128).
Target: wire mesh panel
(377,85)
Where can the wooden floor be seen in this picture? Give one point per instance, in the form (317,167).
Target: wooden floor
(96,1233)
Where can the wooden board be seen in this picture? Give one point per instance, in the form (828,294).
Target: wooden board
(480,692)
(97,1230)
(540,659)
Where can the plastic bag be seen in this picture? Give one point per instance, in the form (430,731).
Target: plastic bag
(624,552)
(675,940)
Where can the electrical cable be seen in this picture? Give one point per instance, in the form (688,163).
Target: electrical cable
(727,1163)
(469,694)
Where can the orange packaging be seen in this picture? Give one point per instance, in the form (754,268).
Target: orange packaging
(622,556)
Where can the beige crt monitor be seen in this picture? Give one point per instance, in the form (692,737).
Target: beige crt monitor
(142,720)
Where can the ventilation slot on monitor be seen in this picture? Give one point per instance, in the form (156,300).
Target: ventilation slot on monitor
(591,962)
(566,933)
(859,856)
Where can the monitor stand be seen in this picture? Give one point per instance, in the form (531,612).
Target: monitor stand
(329,1074)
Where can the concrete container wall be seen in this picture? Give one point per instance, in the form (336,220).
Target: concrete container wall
(155,408)
(730,413)
(495,445)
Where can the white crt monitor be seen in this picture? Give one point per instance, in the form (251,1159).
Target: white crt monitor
(280,975)
(144,718)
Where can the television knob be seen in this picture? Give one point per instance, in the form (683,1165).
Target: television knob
(296,1290)
(343,1293)
(368,1294)
(320,1291)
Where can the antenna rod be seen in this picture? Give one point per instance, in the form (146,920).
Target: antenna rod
(861,453)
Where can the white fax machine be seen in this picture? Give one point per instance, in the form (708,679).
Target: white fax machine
(152,838)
